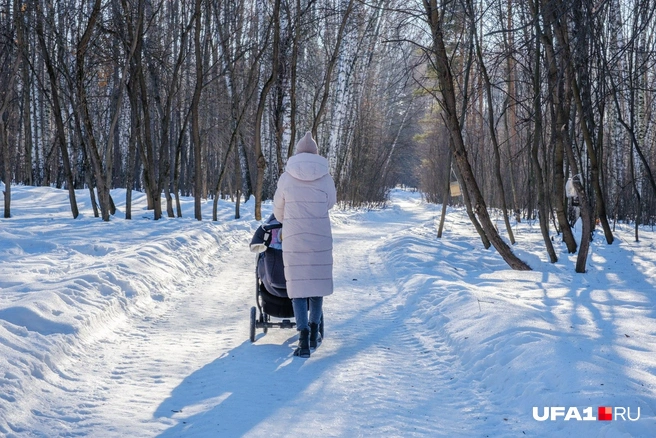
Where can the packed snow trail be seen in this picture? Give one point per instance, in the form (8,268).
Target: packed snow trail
(187,368)
(144,332)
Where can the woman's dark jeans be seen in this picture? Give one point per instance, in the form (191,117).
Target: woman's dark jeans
(301,311)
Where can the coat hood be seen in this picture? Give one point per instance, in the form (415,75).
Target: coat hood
(307,166)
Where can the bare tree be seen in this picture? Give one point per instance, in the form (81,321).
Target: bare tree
(493,135)
(241,78)
(537,141)
(261,160)
(179,99)
(319,104)
(9,57)
(581,89)
(59,120)
(435,20)
(195,117)
(551,17)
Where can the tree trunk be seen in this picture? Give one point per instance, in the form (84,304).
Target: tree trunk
(442,64)
(238,183)
(329,71)
(6,158)
(132,157)
(293,81)
(638,215)
(59,121)
(195,117)
(510,116)
(446,195)
(23,50)
(560,115)
(261,161)
(537,141)
(6,95)
(466,199)
(177,166)
(85,116)
(495,143)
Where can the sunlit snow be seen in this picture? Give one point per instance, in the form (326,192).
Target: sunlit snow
(140,328)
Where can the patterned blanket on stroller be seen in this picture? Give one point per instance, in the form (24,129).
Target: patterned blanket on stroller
(267,235)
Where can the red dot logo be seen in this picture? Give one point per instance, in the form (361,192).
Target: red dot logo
(605,413)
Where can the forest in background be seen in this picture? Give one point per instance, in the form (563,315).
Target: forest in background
(539,109)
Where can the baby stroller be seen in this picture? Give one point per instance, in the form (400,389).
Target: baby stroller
(270,285)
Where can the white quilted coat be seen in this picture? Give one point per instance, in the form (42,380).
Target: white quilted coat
(304,195)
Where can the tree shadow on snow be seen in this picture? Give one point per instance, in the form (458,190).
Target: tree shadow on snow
(600,331)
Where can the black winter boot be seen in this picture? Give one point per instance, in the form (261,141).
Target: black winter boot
(314,335)
(303,349)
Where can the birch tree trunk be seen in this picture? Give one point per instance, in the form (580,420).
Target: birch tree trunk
(318,116)
(261,160)
(23,52)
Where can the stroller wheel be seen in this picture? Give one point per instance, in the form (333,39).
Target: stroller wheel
(266,319)
(252,324)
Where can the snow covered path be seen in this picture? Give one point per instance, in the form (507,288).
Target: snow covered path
(115,382)
(186,368)
(131,328)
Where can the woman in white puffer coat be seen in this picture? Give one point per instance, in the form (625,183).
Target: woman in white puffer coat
(305,193)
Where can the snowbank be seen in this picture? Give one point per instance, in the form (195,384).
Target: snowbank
(426,337)
(544,338)
(66,282)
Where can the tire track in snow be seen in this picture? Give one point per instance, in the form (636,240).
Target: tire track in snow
(119,380)
(188,369)
(380,371)
(393,366)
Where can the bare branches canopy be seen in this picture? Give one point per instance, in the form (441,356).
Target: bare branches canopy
(207,98)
